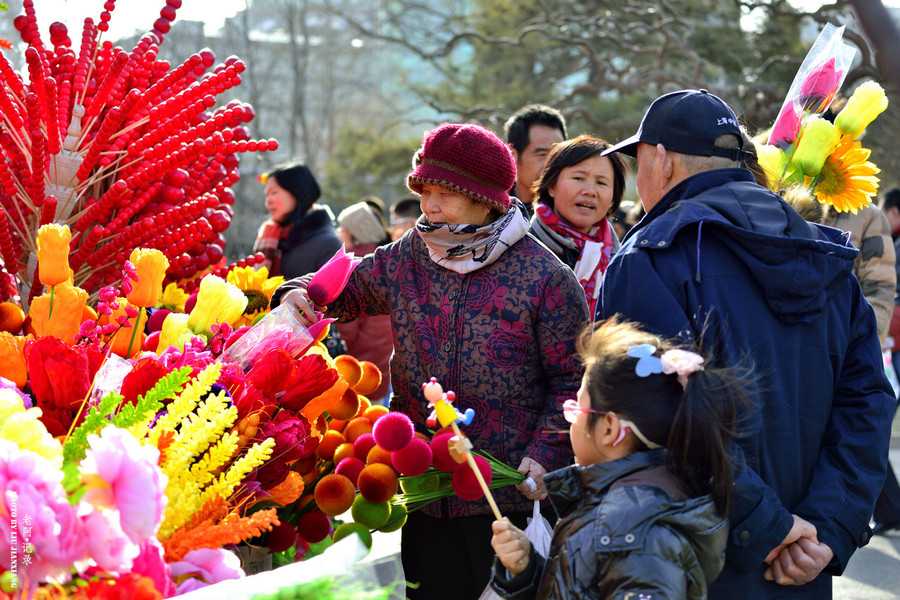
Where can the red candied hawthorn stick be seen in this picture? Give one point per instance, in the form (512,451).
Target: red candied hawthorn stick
(9,247)
(53,141)
(36,75)
(39,156)
(97,103)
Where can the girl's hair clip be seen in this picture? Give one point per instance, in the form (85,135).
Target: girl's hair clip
(682,362)
(647,363)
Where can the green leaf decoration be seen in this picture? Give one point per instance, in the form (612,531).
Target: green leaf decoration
(96,419)
(151,402)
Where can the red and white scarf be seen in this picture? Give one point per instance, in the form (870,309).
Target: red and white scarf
(594,249)
(267,240)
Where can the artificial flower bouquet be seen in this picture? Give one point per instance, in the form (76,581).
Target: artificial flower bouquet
(804,148)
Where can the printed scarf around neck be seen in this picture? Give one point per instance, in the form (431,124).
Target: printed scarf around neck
(467,248)
(594,249)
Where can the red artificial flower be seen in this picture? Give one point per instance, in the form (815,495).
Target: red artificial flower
(127,587)
(60,374)
(312,377)
(819,87)
(142,377)
(786,128)
(291,432)
(329,281)
(271,372)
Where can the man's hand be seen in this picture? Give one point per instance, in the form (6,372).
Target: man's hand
(511,545)
(531,468)
(800,528)
(799,563)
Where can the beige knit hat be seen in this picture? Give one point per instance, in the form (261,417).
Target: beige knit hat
(361,222)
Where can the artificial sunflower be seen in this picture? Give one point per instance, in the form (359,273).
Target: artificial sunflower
(258,287)
(847,179)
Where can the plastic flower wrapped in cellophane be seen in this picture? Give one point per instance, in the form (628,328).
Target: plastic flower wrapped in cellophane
(806,149)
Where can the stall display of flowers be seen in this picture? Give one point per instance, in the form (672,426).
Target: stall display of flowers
(805,149)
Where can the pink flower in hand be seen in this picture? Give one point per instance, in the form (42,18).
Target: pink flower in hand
(819,87)
(786,128)
(329,281)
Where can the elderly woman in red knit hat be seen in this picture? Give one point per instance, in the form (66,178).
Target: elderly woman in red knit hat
(493,315)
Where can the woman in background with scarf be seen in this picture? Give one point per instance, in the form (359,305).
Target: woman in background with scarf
(576,194)
(299,237)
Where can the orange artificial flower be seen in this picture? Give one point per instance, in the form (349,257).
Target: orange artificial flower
(150,266)
(53,254)
(12,358)
(126,336)
(68,307)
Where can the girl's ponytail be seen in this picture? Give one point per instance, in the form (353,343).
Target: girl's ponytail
(702,431)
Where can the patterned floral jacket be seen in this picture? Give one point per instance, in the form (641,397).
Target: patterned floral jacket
(502,338)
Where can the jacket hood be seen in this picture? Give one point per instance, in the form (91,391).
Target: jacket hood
(622,517)
(798,265)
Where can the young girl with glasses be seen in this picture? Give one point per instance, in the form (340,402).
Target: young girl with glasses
(641,511)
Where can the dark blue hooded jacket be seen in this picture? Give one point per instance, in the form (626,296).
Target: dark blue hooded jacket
(722,256)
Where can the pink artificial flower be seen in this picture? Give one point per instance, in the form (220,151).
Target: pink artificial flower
(682,362)
(151,563)
(819,87)
(31,495)
(121,473)
(107,544)
(329,281)
(204,567)
(786,128)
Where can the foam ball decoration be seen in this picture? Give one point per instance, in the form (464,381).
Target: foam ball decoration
(440,453)
(371,514)
(414,459)
(348,368)
(154,323)
(343,451)
(362,445)
(397,518)
(364,405)
(334,494)
(281,537)
(378,482)
(421,484)
(378,455)
(393,431)
(350,468)
(375,412)
(350,528)
(464,483)
(357,427)
(370,378)
(346,407)
(329,443)
(314,526)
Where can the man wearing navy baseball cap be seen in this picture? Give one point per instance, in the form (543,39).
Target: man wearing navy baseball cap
(720,260)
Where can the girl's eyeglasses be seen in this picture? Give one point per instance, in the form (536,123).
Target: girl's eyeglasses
(571,410)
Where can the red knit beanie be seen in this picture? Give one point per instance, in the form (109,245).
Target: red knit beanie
(467,159)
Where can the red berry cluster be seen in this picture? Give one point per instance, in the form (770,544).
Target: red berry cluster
(154,156)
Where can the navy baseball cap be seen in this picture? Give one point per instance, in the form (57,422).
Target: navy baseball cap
(687,121)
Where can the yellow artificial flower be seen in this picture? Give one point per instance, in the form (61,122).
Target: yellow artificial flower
(150,266)
(866,103)
(217,301)
(258,287)
(847,179)
(68,306)
(817,140)
(773,162)
(174,332)
(53,254)
(173,298)
(23,427)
